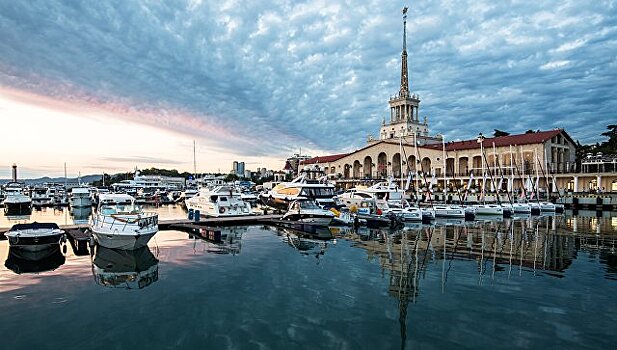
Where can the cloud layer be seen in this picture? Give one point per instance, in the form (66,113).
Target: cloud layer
(267,78)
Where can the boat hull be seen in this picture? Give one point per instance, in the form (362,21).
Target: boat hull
(122,241)
(34,243)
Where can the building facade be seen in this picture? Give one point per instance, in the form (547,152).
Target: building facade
(404,147)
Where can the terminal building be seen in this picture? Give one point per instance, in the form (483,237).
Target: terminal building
(406,146)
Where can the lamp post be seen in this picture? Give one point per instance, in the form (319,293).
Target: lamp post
(480,141)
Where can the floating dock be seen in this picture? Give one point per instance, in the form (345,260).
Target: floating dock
(78,232)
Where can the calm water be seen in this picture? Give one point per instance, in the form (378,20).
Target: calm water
(530,283)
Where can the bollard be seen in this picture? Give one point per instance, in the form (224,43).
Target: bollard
(197,215)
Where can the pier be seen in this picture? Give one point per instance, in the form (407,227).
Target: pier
(78,232)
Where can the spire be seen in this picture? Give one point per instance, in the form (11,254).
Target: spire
(404,91)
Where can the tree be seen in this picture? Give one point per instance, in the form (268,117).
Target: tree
(610,146)
(231,177)
(529,131)
(499,133)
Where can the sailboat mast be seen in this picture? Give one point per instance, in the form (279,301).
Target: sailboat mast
(194,161)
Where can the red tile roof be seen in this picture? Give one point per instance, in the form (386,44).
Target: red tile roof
(502,141)
(324,159)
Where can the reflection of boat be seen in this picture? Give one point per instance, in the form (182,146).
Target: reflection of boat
(24,261)
(309,240)
(450,222)
(308,212)
(35,236)
(130,269)
(223,240)
(120,224)
(81,215)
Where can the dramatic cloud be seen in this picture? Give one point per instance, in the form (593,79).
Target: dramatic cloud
(261,78)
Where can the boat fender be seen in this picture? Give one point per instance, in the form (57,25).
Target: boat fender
(221,210)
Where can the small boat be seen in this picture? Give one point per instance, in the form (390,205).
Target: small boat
(449,211)
(308,212)
(120,224)
(218,202)
(521,208)
(15,201)
(488,209)
(405,214)
(35,236)
(547,206)
(80,197)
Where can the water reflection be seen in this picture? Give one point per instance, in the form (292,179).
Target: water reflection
(499,248)
(81,215)
(220,240)
(307,239)
(128,269)
(24,261)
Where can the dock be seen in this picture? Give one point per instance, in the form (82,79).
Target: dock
(81,232)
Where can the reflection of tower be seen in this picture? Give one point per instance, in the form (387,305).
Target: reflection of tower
(14,173)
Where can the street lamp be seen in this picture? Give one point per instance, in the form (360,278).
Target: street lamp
(481,141)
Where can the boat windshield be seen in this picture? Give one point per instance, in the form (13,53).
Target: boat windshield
(308,205)
(317,192)
(119,208)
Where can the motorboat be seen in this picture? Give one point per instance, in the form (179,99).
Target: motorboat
(547,206)
(449,211)
(25,261)
(308,212)
(520,208)
(80,197)
(308,185)
(15,201)
(488,209)
(133,269)
(40,198)
(35,236)
(406,214)
(218,202)
(120,224)
(387,192)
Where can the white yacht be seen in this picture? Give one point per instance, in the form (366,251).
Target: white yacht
(449,211)
(120,224)
(40,198)
(305,186)
(308,212)
(80,197)
(15,202)
(406,214)
(381,192)
(520,208)
(219,201)
(488,209)
(547,206)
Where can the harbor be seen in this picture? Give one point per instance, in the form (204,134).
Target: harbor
(307,175)
(406,276)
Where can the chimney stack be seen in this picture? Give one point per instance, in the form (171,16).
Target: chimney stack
(14,172)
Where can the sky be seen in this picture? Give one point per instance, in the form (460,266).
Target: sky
(114,85)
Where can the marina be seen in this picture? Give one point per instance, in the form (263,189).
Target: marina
(348,219)
(401,282)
